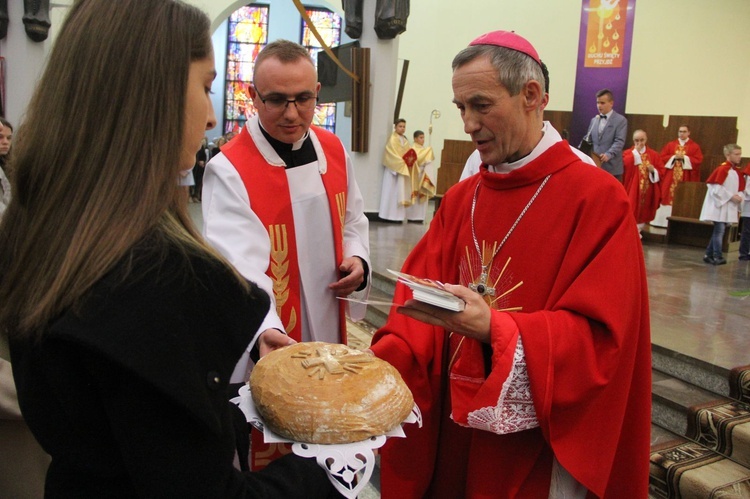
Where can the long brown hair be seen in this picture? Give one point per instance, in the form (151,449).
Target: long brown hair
(97,159)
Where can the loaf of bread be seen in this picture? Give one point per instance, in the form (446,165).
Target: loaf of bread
(328,394)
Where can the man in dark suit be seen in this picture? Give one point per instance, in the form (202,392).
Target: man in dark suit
(608,131)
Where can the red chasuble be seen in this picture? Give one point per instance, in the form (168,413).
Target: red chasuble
(643,194)
(574,265)
(268,189)
(676,174)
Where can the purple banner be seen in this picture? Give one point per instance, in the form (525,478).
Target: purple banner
(604,48)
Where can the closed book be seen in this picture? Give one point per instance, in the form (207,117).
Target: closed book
(430,291)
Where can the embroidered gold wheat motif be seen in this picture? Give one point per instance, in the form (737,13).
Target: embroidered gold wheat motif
(279,270)
(341,205)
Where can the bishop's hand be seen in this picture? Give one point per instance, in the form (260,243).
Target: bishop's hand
(473,321)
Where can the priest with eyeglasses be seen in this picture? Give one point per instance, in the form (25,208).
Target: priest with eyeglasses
(281,203)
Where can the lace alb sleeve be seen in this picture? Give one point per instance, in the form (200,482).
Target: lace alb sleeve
(514,411)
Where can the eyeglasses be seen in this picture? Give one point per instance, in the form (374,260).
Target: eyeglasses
(276,102)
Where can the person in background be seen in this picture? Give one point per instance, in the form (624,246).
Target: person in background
(513,390)
(216,146)
(726,186)
(643,170)
(186,181)
(123,341)
(201,158)
(422,180)
(745,217)
(398,160)
(609,130)
(682,160)
(6,137)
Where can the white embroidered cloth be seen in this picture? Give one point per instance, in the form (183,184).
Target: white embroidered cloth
(514,411)
(343,462)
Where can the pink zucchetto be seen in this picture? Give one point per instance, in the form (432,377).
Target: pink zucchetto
(510,40)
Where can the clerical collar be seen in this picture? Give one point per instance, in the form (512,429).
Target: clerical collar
(682,142)
(301,152)
(549,138)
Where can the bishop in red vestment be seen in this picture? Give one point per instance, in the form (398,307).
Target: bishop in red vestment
(643,173)
(542,385)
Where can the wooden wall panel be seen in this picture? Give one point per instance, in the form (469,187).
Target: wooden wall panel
(452,161)
(559,119)
(361,100)
(652,125)
(710,132)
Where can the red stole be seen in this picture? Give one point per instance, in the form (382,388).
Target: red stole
(719,175)
(268,188)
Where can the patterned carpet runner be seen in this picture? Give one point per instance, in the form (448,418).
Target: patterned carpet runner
(723,427)
(714,460)
(682,469)
(739,384)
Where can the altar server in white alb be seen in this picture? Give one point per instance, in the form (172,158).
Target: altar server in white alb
(281,203)
(725,193)
(422,179)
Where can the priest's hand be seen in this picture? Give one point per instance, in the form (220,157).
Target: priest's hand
(354,276)
(473,321)
(272,339)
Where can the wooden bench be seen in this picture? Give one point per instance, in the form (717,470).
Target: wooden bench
(684,227)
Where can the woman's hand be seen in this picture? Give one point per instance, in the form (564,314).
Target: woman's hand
(272,339)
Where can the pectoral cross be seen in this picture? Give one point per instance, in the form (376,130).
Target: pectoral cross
(481,286)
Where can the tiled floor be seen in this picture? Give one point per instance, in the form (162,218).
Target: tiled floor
(692,310)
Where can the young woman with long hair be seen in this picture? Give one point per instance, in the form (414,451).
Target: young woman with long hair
(123,325)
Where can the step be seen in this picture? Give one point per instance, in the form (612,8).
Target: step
(653,234)
(376,315)
(697,372)
(739,383)
(382,289)
(672,399)
(679,467)
(384,281)
(719,423)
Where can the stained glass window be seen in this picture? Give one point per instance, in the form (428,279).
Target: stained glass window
(247,34)
(328,25)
